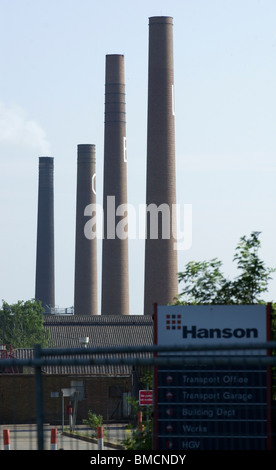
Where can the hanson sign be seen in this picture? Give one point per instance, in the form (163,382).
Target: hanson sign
(212,407)
(211,325)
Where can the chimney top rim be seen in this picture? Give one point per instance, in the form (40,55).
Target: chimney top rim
(160,19)
(87,145)
(46,158)
(114,55)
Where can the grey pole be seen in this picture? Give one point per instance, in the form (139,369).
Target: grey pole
(39,399)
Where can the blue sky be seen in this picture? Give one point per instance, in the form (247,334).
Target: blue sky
(52,99)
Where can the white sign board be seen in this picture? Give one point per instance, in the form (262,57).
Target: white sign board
(211,325)
(68,392)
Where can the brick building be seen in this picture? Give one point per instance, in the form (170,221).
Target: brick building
(101,388)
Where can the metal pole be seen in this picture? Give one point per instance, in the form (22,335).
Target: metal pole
(76,398)
(100,438)
(39,399)
(62,411)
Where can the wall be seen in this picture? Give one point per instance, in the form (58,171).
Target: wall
(102,394)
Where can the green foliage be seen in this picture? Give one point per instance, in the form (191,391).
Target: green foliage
(254,277)
(22,324)
(204,282)
(140,437)
(93,421)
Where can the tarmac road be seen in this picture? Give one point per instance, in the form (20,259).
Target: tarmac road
(24,437)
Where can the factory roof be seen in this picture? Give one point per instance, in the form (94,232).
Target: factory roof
(109,331)
(102,330)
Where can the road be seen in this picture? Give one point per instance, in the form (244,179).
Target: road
(24,437)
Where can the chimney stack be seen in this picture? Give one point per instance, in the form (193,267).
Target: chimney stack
(161,283)
(45,269)
(86,297)
(115,282)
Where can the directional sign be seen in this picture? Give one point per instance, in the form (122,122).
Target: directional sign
(212,407)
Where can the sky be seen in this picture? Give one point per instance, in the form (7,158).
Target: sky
(52,55)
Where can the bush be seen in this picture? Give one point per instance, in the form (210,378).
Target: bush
(93,421)
(140,437)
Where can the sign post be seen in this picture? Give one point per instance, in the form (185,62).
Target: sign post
(65,392)
(212,407)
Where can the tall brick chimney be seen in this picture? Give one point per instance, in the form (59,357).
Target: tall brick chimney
(115,277)
(161,283)
(86,296)
(45,262)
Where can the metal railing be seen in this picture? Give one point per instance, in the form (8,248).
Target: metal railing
(261,354)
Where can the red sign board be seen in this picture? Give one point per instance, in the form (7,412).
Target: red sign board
(145,397)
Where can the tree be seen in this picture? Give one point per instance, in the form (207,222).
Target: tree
(204,282)
(140,437)
(22,324)
(254,278)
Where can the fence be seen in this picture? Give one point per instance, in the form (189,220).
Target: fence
(203,397)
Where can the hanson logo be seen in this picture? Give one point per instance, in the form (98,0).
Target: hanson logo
(173,322)
(194,332)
